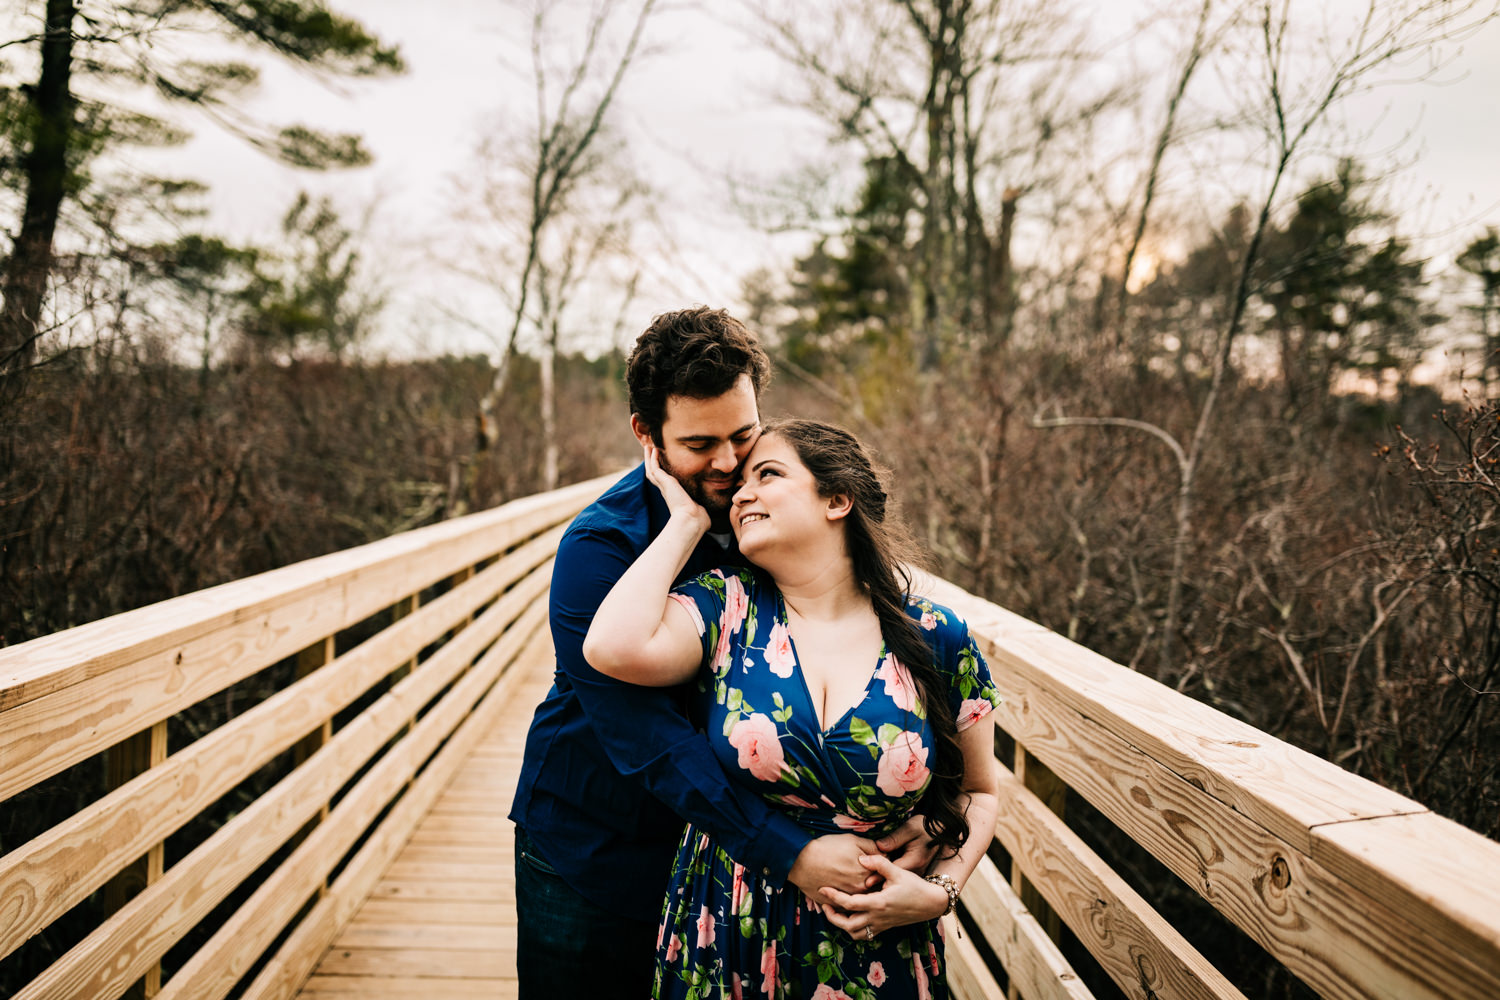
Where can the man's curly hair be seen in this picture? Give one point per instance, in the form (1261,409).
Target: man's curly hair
(699,353)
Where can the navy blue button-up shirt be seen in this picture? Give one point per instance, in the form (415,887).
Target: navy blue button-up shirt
(612,770)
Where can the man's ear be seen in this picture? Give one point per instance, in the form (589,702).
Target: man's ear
(640,430)
(839,505)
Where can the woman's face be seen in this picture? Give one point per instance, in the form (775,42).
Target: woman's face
(777,504)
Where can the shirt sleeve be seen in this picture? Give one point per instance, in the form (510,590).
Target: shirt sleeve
(643,730)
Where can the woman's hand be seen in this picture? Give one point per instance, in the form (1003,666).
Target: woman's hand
(679,504)
(904,898)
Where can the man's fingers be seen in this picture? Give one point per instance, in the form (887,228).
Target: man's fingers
(842,901)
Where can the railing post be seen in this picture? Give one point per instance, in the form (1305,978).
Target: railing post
(1038,779)
(124,761)
(317,655)
(402,608)
(454,582)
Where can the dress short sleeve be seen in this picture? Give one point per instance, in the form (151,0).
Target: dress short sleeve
(718,603)
(971,689)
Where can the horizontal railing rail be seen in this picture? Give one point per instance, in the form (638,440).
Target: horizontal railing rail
(401,652)
(423,677)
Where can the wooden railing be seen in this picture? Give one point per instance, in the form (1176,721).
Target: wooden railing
(457,601)
(1356,890)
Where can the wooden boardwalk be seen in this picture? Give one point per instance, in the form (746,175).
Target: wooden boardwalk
(441,922)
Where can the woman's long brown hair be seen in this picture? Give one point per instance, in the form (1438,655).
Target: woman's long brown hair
(881,547)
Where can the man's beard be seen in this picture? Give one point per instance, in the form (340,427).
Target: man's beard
(717,504)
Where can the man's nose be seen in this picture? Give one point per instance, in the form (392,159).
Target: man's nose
(725,460)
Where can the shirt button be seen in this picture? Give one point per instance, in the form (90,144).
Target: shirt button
(766,870)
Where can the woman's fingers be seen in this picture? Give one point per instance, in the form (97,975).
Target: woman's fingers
(860,926)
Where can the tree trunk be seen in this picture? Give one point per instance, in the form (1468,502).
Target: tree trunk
(45,168)
(549,411)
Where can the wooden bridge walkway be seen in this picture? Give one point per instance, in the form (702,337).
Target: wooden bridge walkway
(374,860)
(441,922)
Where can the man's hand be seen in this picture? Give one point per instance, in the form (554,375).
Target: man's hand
(908,846)
(831,860)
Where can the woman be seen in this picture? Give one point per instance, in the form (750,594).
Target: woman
(824,686)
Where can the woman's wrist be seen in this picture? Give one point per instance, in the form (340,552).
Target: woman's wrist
(692,522)
(948,887)
(937,897)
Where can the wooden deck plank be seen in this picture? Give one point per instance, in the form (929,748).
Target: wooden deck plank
(440,923)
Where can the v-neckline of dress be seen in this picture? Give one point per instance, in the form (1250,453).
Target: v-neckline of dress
(823,731)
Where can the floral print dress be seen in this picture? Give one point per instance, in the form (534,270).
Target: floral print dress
(727,932)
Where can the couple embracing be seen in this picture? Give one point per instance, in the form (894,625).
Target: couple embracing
(757,771)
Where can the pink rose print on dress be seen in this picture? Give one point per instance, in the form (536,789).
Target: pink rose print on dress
(800,803)
(705,928)
(876,974)
(737,893)
(971,711)
(898,683)
(929,621)
(853,825)
(902,767)
(768,970)
(736,603)
(923,993)
(691,606)
(759,745)
(735,990)
(779,655)
(826,992)
(720,659)
(674,948)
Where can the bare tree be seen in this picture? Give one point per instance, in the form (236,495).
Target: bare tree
(1196,49)
(1296,89)
(561,156)
(965,102)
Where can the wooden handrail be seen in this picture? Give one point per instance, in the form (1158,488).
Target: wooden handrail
(1357,890)
(72,696)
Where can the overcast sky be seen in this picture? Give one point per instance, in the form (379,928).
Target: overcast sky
(696,111)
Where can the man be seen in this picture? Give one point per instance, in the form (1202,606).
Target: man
(611,770)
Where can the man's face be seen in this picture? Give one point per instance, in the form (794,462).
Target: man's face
(703,442)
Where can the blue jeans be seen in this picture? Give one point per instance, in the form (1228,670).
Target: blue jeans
(568,947)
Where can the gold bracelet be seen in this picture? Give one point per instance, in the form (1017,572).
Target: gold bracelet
(949,886)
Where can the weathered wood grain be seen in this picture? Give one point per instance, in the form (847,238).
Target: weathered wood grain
(44,878)
(1286,790)
(968,977)
(1339,940)
(47,734)
(338,589)
(1143,953)
(209,974)
(508,705)
(1032,960)
(156,919)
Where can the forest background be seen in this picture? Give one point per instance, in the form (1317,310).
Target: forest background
(1155,355)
